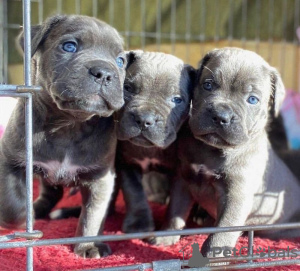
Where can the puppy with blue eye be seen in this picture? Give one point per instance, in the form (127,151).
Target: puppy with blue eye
(157,92)
(227,164)
(80,63)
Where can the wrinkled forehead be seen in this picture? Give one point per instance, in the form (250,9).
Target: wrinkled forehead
(237,70)
(87,30)
(150,75)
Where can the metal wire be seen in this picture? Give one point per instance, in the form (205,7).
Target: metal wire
(244,23)
(143,24)
(188,30)
(144,235)
(59,6)
(1,43)
(95,8)
(173,26)
(127,23)
(158,25)
(283,39)
(25,93)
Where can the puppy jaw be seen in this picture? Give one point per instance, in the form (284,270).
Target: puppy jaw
(236,75)
(84,93)
(152,81)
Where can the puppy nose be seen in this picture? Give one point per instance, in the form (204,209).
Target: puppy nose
(102,74)
(146,120)
(222,118)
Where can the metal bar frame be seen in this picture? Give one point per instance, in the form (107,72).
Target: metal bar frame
(25,92)
(3,44)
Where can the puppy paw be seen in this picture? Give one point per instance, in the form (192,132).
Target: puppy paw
(92,250)
(135,223)
(165,240)
(40,212)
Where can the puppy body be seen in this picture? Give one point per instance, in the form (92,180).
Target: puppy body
(74,137)
(227,163)
(157,101)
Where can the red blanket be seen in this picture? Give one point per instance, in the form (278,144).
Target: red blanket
(61,257)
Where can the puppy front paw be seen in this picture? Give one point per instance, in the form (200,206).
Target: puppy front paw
(138,223)
(41,210)
(165,240)
(92,250)
(214,246)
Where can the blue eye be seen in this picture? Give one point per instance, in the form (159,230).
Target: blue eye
(176,100)
(70,46)
(252,100)
(207,86)
(120,62)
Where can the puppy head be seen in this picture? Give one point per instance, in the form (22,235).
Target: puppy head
(80,62)
(236,93)
(157,98)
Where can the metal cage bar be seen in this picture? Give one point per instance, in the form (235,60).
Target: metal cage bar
(24,91)
(3,44)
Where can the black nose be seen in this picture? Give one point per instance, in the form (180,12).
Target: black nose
(102,74)
(145,120)
(222,117)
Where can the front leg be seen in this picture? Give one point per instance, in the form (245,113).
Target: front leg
(138,213)
(49,196)
(96,195)
(12,196)
(178,210)
(234,208)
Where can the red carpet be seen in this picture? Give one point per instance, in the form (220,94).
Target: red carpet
(61,257)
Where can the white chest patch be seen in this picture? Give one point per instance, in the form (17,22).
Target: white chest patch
(57,171)
(146,163)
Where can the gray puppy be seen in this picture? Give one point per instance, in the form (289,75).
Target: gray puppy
(157,93)
(80,63)
(227,163)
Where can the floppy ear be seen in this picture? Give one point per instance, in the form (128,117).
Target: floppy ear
(192,73)
(39,33)
(132,56)
(278,92)
(203,62)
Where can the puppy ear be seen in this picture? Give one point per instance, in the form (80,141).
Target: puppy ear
(202,63)
(132,56)
(192,73)
(204,60)
(278,92)
(39,33)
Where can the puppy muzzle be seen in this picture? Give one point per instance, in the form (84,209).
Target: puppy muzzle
(219,126)
(145,128)
(95,89)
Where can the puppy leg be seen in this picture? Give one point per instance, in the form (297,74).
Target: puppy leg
(66,213)
(96,195)
(233,210)
(12,196)
(138,214)
(178,211)
(49,196)
(201,217)
(75,211)
(112,204)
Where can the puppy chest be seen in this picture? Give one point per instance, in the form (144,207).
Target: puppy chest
(150,164)
(63,172)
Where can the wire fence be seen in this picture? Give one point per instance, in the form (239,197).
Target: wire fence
(185,28)
(170,29)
